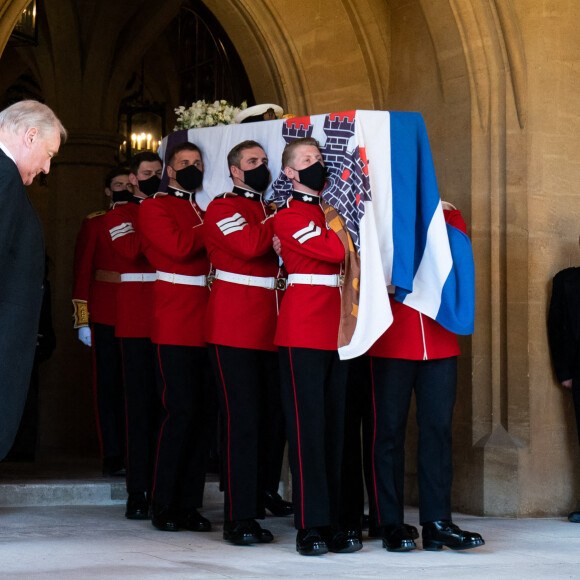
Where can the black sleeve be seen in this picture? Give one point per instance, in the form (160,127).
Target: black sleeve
(561,332)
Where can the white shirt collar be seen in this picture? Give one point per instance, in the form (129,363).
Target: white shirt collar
(5,149)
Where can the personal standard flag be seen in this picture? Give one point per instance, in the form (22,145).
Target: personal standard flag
(388,214)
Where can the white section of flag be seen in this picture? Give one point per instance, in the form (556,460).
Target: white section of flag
(436,263)
(376,236)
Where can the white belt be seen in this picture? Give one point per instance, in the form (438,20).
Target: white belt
(246,280)
(316,279)
(182,279)
(147,277)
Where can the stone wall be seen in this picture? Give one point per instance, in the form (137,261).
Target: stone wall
(497,84)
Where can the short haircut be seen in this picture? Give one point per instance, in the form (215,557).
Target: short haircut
(142,158)
(21,116)
(115,173)
(235,155)
(289,150)
(187,146)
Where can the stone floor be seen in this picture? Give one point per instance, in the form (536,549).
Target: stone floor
(95,541)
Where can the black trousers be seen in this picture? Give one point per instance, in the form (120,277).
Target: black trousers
(357,454)
(576,394)
(108,390)
(142,411)
(434,382)
(184,436)
(313,387)
(252,424)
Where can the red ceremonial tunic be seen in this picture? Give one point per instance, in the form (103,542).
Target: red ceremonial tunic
(413,335)
(173,240)
(93,252)
(309,315)
(133,298)
(239,241)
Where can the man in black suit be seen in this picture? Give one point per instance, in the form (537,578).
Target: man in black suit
(564,339)
(30,136)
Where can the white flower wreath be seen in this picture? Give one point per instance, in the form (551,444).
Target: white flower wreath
(202,114)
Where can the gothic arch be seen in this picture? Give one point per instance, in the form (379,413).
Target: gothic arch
(475,100)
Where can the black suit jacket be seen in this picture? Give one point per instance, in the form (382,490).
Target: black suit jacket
(21,276)
(564,323)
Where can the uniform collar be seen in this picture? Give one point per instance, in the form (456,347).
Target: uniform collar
(247,194)
(7,151)
(180,194)
(306,198)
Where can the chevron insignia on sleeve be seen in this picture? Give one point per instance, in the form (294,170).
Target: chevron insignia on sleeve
(232,224)
(310,231)
(121,230)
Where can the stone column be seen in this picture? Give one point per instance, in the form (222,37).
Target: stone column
(75,189)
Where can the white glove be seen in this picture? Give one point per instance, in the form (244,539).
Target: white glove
(85,335)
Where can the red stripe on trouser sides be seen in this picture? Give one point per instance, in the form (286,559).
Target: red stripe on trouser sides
(95,392)
(298,439)
(163,424)
(126,414)
(217,354)
(374,443)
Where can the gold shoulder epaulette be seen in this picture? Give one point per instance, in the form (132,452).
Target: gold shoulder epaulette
(95,214)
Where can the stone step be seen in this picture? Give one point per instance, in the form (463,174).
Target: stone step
(78,492)
(65,482)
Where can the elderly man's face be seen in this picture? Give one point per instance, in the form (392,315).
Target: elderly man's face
(37,154)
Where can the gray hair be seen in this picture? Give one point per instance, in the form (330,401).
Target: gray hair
(21,116)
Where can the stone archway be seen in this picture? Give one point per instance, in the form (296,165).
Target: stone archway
(9,13)
(465,65)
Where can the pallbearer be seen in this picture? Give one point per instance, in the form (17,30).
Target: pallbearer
(172,226)
(313,378)
(240,326)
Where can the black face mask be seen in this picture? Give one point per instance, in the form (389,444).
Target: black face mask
(257,178)
(123,195)
(149,186)
(313,177)
(189,177)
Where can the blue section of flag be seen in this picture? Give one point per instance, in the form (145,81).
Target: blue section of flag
(457,311)
(415,200)
(415,195)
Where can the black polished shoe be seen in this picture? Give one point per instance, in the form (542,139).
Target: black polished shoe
(164,518)
(377,532)
(241,532)
(277,506)
(398,538)
(341,542)
(574,517)
(309,542)
(412,531)
(353,532)
(137,507)
(446,533)
(264,536)
(192,520)
(114,467)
